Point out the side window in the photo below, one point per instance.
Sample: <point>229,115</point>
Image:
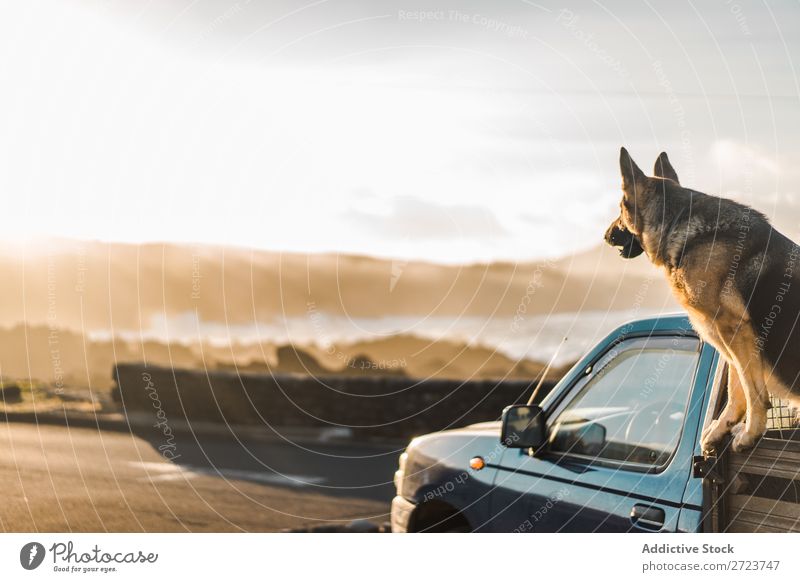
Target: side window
<point>632,407</point>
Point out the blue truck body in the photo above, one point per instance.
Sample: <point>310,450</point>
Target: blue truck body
<point>468,480</point>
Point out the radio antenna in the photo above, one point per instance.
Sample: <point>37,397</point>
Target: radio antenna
<point>545,371</point>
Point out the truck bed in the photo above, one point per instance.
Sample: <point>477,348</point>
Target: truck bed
<point>758,490</point>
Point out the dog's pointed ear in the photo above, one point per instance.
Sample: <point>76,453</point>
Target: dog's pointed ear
<point>664,169</point>
<point>631,174</point>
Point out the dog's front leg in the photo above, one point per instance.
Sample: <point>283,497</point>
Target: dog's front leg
<point>733,412</point>
<point>738,340</point>
<point>746,434</point>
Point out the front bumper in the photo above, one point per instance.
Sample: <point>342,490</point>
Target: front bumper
<point>402,510</point>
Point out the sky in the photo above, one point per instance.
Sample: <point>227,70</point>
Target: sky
<point>443,131</point>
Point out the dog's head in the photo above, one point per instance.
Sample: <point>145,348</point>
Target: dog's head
<point>621,238</point>
<point>639,192</point>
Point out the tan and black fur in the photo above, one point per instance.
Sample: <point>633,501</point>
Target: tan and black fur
<point>737,277</point>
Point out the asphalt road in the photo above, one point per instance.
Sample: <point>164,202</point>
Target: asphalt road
<point>77,479</point>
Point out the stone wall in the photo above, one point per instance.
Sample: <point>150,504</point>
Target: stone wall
<point>371,407</point>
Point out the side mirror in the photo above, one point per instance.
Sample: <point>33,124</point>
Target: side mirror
<point>523,427</point>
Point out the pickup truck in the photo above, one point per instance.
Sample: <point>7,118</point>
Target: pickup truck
<point>614,447</point>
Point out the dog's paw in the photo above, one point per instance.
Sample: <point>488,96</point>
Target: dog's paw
<point>708,447</point>
<point>710,429</point>
<point>711,437</point>
<point>742,439</point>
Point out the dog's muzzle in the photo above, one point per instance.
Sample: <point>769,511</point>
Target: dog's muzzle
<point>621,238</point>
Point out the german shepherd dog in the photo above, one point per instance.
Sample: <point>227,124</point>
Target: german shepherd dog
<point>737,277</point>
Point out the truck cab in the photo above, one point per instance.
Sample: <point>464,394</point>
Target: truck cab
<point>614,447</point>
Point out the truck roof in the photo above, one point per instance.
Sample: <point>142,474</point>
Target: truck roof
<point>663,322</point>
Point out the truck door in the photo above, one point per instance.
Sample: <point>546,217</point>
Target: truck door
<point>620,442</point>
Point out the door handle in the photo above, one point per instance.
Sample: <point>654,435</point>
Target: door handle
<point>648,517</point>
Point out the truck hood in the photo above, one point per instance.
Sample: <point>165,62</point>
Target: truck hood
<point>444,456</point>
<point>492,426</point>
<point>479,439</point>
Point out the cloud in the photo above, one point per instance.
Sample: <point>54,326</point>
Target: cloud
<point>253,124</point>
<point>407,217</point>
<point>738,158</point>
<point>766,180</point>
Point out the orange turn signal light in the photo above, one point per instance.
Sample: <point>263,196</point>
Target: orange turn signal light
<point>477,463</point>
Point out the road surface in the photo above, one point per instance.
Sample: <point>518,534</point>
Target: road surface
<point>64,479</point>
